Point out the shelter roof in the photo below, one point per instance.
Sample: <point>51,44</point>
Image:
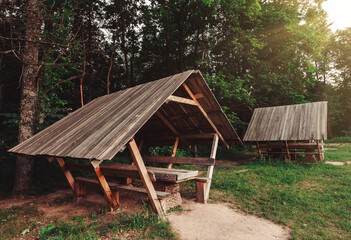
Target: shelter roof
<point>293,122</point>
<point>102,128</point>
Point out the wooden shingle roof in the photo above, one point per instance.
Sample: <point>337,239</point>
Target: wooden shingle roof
<point>293,122</point>
<point>102,128</point>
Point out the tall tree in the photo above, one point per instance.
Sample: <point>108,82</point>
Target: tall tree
<point>29,92</point>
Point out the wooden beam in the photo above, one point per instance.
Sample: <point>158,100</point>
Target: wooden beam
<point>205,114</point>
<point>139,163</point>
<point>140,146</point>
<point>177,99</point>
<point>110,197</point>
<point>67,173</point>
<point>319,152</point>
<point>258,149</point>
<point>110,170</point>
<point>180,160</point>
<point>168,124</point>
<point>210,168</point>
<point>189,115</point>
<point>199,95</point>
<point>174,151</point>
<point>287,149</point>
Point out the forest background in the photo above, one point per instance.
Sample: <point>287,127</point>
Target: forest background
<point>58,55</point>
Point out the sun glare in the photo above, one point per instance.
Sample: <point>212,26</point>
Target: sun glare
<point>339,13</point>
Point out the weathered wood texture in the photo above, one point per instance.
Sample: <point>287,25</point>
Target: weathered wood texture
<point>118,187</point>
<point>284,123</point>
<point>67,172</point>
<point>102,128</point>
<point>139,163</point>
<point>123,170</point>
<point>180,160</point>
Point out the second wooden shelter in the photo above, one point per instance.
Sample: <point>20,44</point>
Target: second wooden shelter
<point>291,130</point>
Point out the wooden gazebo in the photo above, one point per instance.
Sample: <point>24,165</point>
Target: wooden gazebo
<point>176,110</point>
<point>291,130</point>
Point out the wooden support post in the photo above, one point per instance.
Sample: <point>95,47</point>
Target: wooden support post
<point>319,152</point>
<point>139,163</point>
<point>210,168</point>
<point>174,150</point>
<point>79,190</point>
<point>201,188</point>
<point>112,203</point>
<point>67,173</point>
<point>116,196</point>
<point>287,150</point>
<point>205,114</point>
<point>141,143</point>
<point>258,149</point>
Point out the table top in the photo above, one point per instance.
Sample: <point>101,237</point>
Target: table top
<point>172,175</point>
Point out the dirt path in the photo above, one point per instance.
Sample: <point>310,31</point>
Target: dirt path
<point>218,221</point>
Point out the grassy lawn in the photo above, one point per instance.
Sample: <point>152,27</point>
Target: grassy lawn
<point>340,152</point>
<point>26,222</point>
<point>313,200</point>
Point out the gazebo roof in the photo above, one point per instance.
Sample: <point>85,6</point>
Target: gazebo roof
<point>184,107</point>
<point>306,121</point>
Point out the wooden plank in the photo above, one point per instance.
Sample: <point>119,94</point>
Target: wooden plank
<point>205,114</point>
<point>287,149</point>
<point>210,168</point>
<point>112,202</point>
<point>113,170</point>
<point>174,151</point>
<point>116,186</point>
<point>177,99</point>
<point>180,160</point>
<point>139,163</point>
<point>319,152</point>
<point>199,95</point>
<point>258,149</point>
<point>67,173</point>
<point>201,188</point>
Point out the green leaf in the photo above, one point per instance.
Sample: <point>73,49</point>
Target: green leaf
<point>46,230</point>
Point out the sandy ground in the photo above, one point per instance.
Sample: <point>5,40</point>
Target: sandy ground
<point>337,163</point>
<point>218,221</point>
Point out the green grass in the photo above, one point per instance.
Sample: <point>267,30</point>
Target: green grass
<point>345,139</point>
<point>342,152</point>
<point>313,200</point>
<point>17,222</point>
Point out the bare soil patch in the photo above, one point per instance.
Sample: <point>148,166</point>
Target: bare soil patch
<point>218,221</point>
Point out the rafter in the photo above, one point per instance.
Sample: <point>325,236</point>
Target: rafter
<point>205,114</point>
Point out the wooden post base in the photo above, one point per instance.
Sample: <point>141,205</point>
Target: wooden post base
<point>171,201</point>
<point>201,190</point>
<point>79,190</point>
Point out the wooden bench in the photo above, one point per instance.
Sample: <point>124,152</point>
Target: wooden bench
<point>201,183</point>
<point>168,198</point>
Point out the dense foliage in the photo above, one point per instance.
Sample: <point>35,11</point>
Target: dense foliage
<point>253,53</point>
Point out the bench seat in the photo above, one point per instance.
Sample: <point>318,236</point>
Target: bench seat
<point>117,187</point>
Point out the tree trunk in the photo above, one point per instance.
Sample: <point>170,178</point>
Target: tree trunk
<point>29,94</point>
<point>168,62</point>
<point>181,43</point>
<point>125,54</point>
